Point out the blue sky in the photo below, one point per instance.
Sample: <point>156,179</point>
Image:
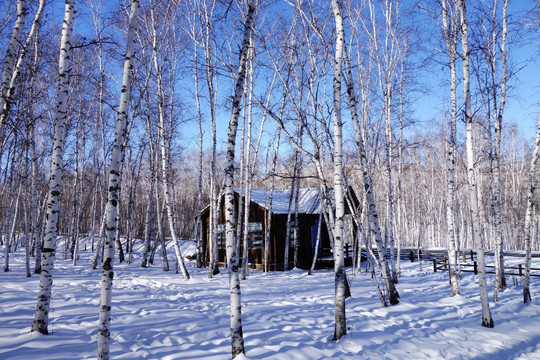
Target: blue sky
<point>522,106</point>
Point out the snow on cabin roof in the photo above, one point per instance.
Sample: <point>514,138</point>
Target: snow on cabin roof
<point>308,200</point>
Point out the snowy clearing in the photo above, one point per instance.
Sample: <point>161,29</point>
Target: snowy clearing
<point>289,316</point>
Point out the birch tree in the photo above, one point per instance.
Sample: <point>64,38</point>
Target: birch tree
<point>206,11</point>
<point>387,56</point>
<point>450,37</point>
<point>41,316</point>
<point>6,99</point>
<point>392,296</point>
<point>487,320</point>
<point>9,63</point>
<point>494,49</point>
<point>104,324</point>
<point>529,215</point>
<point>237,339</point>
<point>165,162</point>
<point>339,268</point>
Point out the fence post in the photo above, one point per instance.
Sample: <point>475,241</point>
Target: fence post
<point>445,263</point>
<point>411,256</point>
<point>464,254</point>
<point>434,265</point>
<point>475,268</point>
<point>520,270</point>
<point>472,255</point>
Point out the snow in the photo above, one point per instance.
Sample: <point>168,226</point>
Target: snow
<point>289,316</point>
<point>308,200</point>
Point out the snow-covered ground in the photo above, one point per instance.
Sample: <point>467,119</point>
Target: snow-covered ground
<point>158,315</point>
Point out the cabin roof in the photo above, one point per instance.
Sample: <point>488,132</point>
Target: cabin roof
<point>308,200</point>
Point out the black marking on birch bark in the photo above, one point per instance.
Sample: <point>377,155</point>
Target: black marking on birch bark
<point>107,265</point>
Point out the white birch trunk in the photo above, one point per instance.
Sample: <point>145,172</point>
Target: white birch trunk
<point>529,215</point>
<point>104,323</point>
<point>339,268</point>
<point>207,16</point>
<point>248,174</point>
<point>9,64</point>
<point>237,338</point>
<point>500,279</point>
<point>41,316</point>
<point>148,219</point>
<point>199,253</point>
<point>288,227</point>
<point>317,244</point>
<point>151,201</point>
<point>11,235</point>
<point>7,98</point>
<point>243,170</point>
<point>296,205</point>
<point>297,166</point>
<point>98,252</point>
<point>268,228</point>
<point>252,169</point>
<point>159,215</point>
<point>487,320</point>
<point>34,229</point>
<point>449,35</point>
<point>165,163</point>
<point>374,226</point>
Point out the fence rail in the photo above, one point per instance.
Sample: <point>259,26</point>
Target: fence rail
<point>467,260</point>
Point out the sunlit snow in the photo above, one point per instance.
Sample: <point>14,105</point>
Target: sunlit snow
<point>158,315</point>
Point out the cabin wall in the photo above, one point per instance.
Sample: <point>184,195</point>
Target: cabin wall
<point>257,223</point>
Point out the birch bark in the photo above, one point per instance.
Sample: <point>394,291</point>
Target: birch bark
<point>500,279</point>
<point>207,14</point>
<point>41,316</point>
<point>450,39</point>
<point>268,229</point>
<point>165,162</point>
<point>7,97</point>
<point>528,216</point>
<point>199,254</point>
<point>339,269</point>
<point>487,320</point>
<point>237,338</point>
<point>148,218</point>
<point>249,181</point>
<point>104,323</point>
<point>9,63</point>
<point>393,295</point>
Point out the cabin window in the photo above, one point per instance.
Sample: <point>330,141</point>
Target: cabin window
<point>255,235</point>
<point>221,238</point>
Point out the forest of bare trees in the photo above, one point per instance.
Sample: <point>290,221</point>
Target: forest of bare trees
<point>121,121</point>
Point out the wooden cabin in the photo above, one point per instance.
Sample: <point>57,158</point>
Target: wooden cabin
<point>309,207</point>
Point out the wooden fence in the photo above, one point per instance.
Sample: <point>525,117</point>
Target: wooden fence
<point>467,260</point>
